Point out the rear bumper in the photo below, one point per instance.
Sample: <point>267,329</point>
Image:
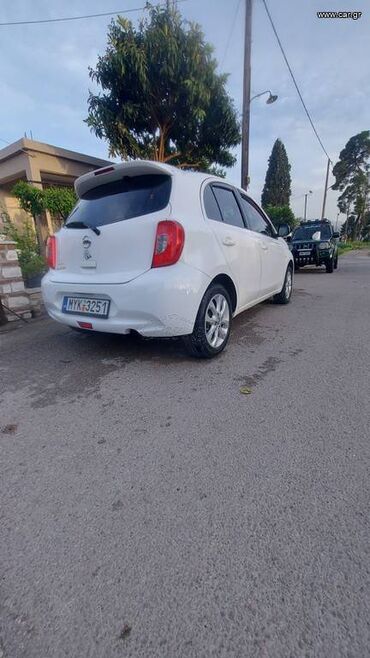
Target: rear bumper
<point>160,302</point>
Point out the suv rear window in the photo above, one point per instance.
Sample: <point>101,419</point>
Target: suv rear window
<point>132,196</point>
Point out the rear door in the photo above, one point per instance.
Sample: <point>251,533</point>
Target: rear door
<point>272,250</point>
<point>238,245</point>
<point>125,214</point>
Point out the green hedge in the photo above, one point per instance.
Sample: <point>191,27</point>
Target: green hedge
<point>347,246</point>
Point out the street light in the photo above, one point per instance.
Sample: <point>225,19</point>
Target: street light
<point>245,133</point>
<point>271,99</point>
<point>305,203</point>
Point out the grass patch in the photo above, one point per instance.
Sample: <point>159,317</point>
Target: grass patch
<point>348,246</point>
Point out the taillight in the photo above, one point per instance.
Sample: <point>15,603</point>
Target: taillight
<point>169,243</point>
<point>51,252</point>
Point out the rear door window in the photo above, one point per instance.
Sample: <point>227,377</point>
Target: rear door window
<point>210,205</point>
<point>229,206</point>
<point>132,196</point>
<point>256,222</point>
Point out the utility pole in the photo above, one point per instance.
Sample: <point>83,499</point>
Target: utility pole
<point>325,190</point>
<point>246,94</point>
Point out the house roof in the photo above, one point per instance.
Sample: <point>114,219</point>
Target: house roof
<point>29,145</point>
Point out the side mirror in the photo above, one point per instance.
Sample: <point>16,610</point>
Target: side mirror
<point>336,235</point>
<point>283,230</point>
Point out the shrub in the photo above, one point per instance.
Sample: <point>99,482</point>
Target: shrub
<point>281,215</point>
<point>30,260</point>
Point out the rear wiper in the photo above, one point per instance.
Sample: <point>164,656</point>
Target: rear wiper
<point>85,225</point>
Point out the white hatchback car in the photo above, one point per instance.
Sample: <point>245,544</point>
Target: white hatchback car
<point>162,252</point>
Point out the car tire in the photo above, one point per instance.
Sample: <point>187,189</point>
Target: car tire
<point>285,295</point>
<point>215,312</point>
<point>336,263</point>
<point>330,265</point>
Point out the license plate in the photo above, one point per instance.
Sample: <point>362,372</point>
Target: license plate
<point>97,308</point>
<point>305,252</point>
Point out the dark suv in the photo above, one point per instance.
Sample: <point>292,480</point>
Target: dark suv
<point>315,243</point>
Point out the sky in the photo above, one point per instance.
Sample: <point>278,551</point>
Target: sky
<point>45,82</point>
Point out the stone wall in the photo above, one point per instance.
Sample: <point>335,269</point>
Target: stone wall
<point>12,290</point>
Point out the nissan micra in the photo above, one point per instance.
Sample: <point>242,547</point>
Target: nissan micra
<point>156,250</point>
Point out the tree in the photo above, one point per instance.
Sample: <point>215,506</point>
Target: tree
<point>59,201</point>
<point>348,226</point>
<point>281,215</point>
<point>31,201</point>
<point>352,180</point>
<point>30,260</point>
<point>162,98</point>
<point>276,191</point>
<point>366,226</point>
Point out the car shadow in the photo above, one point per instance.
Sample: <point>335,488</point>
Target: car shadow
<point>310,270</point>
<point>82,359</point>
<point>131,347</point>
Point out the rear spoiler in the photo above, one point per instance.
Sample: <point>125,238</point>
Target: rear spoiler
<point>116,171</point>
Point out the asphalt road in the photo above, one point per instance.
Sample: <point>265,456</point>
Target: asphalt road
<point>148,508</point>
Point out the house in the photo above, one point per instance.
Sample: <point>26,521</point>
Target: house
<point>43,165</point>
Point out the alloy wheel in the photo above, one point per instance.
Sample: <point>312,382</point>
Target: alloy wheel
<point>288,283</point>
<point>217,320</point>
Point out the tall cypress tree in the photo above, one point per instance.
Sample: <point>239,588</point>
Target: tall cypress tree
<point>276,191</point>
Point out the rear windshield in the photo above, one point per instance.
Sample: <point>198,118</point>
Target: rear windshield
<point>132,196</point>
<point>312,232</point>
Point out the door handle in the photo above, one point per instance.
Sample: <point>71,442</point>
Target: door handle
<point>263,246</point>
<point>229,242</point>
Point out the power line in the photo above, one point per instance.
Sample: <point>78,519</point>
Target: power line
<point>230,35</point>
<point>70,18</point>
<point>77,18</point>
<point>295,82</point>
